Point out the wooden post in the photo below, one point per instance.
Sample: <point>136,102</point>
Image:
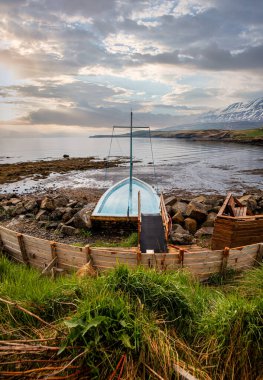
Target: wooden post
<point>23,249</point>
<point>87,253</point>
<point>224,259</point>
<point>181,257</point>
<point>259,256</point>
<point>53,249</point>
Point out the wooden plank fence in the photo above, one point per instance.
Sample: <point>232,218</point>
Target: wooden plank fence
<point>49,255</point>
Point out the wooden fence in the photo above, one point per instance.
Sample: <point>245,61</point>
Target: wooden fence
<point>49,255</point>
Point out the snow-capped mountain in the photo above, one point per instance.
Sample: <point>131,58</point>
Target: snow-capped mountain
<point>252,111</point>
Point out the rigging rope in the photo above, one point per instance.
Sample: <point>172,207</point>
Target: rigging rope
<point>153,160</point>
<point>108,155</point>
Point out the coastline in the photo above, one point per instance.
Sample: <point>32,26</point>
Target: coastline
<point>248,136</point>
<point>42,169</point>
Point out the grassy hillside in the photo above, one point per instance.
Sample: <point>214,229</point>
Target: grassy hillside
<point>141,324</point>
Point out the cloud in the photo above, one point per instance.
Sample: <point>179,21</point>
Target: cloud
<point>85,62</point>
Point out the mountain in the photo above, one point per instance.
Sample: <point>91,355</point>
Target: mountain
<point>237,112</point>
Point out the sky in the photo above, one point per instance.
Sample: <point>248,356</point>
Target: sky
<point>70,67</point>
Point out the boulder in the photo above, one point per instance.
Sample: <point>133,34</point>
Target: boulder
<point>47,204</point>
<point>68,230</point>
<point>249,201</point>
<point>14,201</point>
<point>82,218</point>
<point>178,238</point>
<point>170,200</point>
<point>196,211</point>
<point>210,221</point>
<point>19,209</point>
<point>42,215</point>
<point>68,214</point>
<point>61,201</point>
<point>179,229</point>
<point>204,231</point>
<point>200,199</point>
<point>179,206</point>
<point>31,205</point>
<point>178,217</point>
<point>190,225</point>
<point>169,210</point>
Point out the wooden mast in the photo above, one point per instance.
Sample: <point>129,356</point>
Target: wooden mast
<point>131,170</point>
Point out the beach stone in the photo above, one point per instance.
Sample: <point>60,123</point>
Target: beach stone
<point>170,200</point>
<point>204,231</point>
<point>61,201</point>
<point>47,204</point>
<point>179,206</point>
<point>14,201</point>
<point>68,214</point>
<point>190,225</point>
<point>51,226</point>
<point>31,205</point>
<point>210,221</point>
<point>249,201</point>
<point>178,238</point>
<point>68,230</point>
<point>196,211</point>
<point>200,199</point>
<point>19,209</point>
<point>177,228</point>
<point>42,215</point>
<point>82,219</point>
<point>178,217</point>
<point>169,210</point>
<point>42,224</point>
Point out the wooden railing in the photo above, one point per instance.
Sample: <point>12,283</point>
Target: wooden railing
<point>50,256</point>
<point>165,217</point>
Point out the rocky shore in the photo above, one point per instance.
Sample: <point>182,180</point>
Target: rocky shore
<point>64,215</point>
<point>42,169</point>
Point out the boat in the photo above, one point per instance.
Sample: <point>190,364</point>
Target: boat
<point>133,200</point>
<point>236,226</point>
<point>127,198</point>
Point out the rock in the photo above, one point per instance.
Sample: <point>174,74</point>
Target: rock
<point>200,199</point>
<point>19,209</point>
<point>178,238</point>
<point>179,206</point>
<point>68,214</point>
<point>170,200</point>
<point>42,215</point>
<point>72,203</point>
<point>51,226</point>
<point>249,201</point>
<point>210,221</point>
<point>47,204</point>
<point>196,211</point>
<point>179,229</point>
<point>31,205</point>
<point>61,201</point>
<point>13,224</point>
<point>14,201</point>
<point>190,225</point>
<point>178,217</point>
<point>82,218</point>
<point>169,210</point>
<point>68,230</point>
<point>204,231</point>
<point>42,224</point>
<point>65,155</point>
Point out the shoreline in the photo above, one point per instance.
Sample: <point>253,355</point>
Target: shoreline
<point>10,173</point>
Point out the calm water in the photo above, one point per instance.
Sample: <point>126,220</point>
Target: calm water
<point>179,164</point>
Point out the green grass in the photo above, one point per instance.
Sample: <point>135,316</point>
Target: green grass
<point>249,133</point>
<point>155,319</point>
<point>130,241</point>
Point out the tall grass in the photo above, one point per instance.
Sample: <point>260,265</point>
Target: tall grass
<point>154,320</point>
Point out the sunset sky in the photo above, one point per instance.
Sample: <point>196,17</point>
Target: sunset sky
<point>79,66</point>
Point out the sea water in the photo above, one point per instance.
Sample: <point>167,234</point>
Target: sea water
<point>199,167</point>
